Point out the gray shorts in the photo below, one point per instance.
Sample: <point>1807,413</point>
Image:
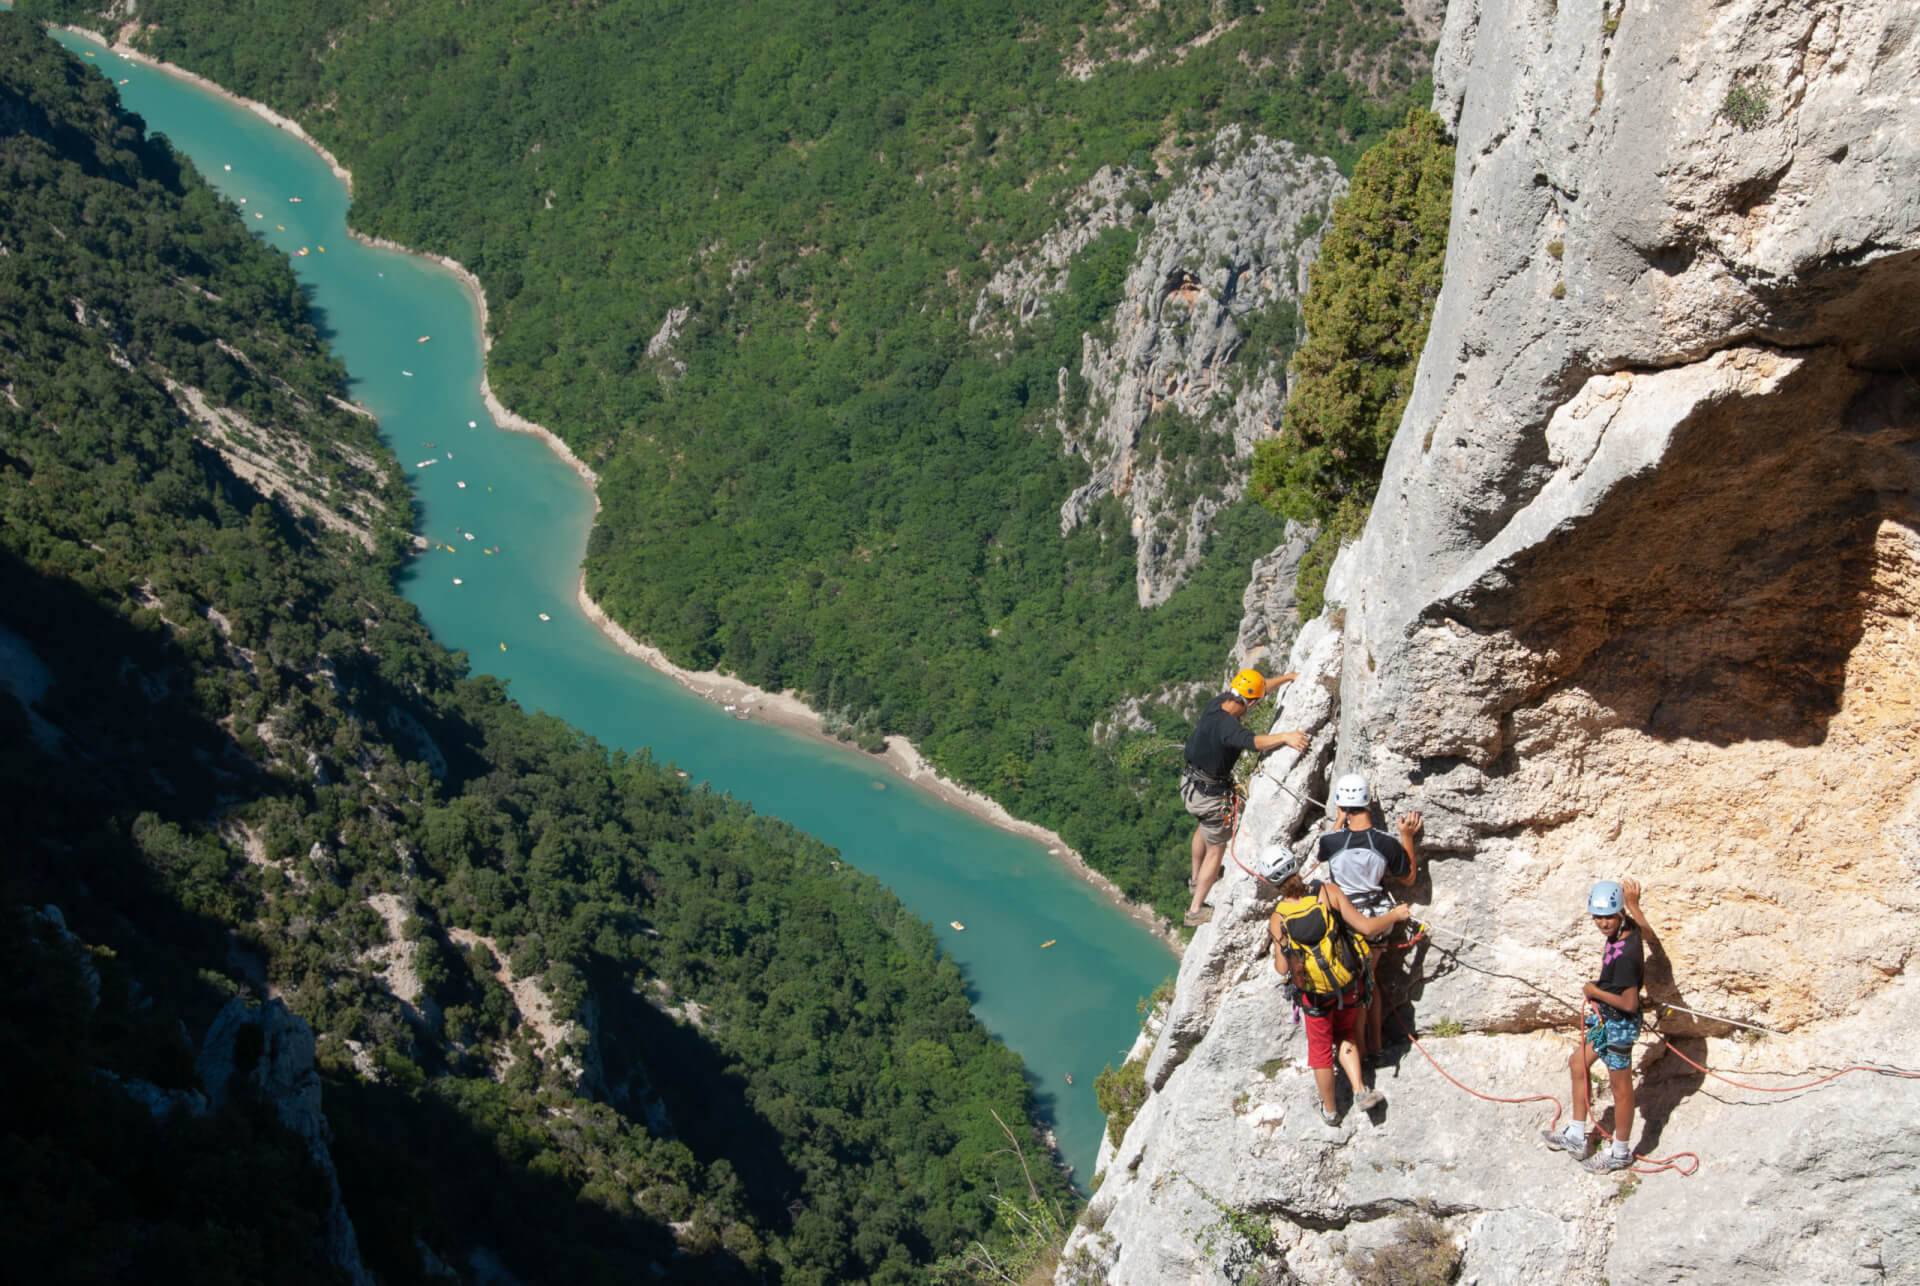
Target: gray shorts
<point>1210,811</point>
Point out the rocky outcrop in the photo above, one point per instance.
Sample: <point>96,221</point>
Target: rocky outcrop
<point>1233,240</point>
<point>270,1050</point>
<point>1638,597</point>
<point>1269,616</point>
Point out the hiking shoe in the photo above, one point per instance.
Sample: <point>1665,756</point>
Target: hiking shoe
<point>1197,918</point>
<point>1327,1118</point>
<point>1561,1139</point>
<point>1367,1100</point>
<point>1606,1159</point>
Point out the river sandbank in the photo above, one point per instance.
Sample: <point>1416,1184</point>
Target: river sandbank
<point>782,709</point>
<point>785,710</point>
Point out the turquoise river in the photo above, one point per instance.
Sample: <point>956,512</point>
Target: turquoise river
<point>1067,1010</point>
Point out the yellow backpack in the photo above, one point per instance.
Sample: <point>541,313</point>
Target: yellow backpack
<point>1314,949</point>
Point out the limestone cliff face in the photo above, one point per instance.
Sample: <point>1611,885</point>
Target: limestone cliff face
<point>1232,241</point>
<point>1638,597</point>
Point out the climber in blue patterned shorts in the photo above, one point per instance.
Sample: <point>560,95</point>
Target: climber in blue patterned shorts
<point>1612,1025</point>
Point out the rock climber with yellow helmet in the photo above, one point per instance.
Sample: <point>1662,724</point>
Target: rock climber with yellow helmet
<point>1207,785</point>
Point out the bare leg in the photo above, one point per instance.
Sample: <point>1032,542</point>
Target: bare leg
<point>1197,850</point>
<point>1209,875</point>
<point>1323,1078</point>
<point>1622,1082</point>
<point>1375,1015</point>
<point>1581,1060</point>
<point>1348,1055</point>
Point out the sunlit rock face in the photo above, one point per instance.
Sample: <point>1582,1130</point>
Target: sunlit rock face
<point>1639,597</point>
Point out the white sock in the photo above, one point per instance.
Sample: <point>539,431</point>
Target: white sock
<point>1576,1129</point>
<point>1620,1148</point>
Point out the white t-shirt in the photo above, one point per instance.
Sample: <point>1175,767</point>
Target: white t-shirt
<point>1360,861</point>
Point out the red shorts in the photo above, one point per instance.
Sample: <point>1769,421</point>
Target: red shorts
<point>1323,1031</point>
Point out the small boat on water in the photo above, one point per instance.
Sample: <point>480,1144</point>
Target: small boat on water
<point>473,424</point>
<point>503,647</point>
<point>467,534</point>
<point>1049,942</point>
<point>408,374</point>
<point>545,617</point>
<point>426,463</point>
<point>1069,1076</point>
<point>958,927</point>
<point>461,485</point>
<point>423,339</point>
<point>294,199</point>
<point>458,581</point>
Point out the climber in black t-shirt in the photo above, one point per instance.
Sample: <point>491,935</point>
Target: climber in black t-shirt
<point>1207,785</point>
<point>1612,1023</point>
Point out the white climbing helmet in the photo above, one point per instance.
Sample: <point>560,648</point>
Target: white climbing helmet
<point>1278,862</point>
<point>1350,791</point>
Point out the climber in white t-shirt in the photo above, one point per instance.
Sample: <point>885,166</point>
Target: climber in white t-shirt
<point>1361,858</point>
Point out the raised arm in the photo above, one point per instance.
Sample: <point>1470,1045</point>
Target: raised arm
<point>1265,741</point>
<point>1410,823</point>
<point>1630,894</point>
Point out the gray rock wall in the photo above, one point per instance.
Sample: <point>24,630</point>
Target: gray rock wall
<point>1639,597</point>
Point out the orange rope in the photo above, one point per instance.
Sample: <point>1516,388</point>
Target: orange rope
<point>1646,1164</point>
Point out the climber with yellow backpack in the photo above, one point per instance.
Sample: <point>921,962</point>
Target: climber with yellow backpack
<point>1320,947</point>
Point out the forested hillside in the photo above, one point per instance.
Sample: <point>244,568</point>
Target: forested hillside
<point>732,251</point>
<point>572,1017</point>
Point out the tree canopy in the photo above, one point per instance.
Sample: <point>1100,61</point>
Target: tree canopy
<point>250,772</point>
<point>845,492</point>
<point>1366,315</point>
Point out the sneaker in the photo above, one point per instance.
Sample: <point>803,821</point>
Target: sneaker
<point>1197,918</point>
<point>1367,1100</point>
<point>1329,1118</point>
<point>1566,1142</point>
<point>1607,1159</point>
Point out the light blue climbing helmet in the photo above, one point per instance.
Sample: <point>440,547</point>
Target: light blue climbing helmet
<point>1607,898</point>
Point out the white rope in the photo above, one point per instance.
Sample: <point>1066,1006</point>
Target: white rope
<point>1734,1022</point>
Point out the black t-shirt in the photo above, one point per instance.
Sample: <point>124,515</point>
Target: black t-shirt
<point>1622,968</point>
<point>1217,741</point>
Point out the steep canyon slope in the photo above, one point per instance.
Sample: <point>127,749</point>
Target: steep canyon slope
<point>1638,597</point>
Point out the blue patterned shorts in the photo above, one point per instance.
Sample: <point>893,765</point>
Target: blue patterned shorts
<point>1613,1039</point>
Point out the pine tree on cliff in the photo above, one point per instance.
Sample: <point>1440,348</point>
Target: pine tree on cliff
<point>1366,315</point>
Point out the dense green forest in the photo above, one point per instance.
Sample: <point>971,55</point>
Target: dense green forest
<point>843,491</point>
<point>228,745</point>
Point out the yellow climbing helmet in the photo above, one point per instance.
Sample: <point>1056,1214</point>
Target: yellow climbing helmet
<point>1249,686</point>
